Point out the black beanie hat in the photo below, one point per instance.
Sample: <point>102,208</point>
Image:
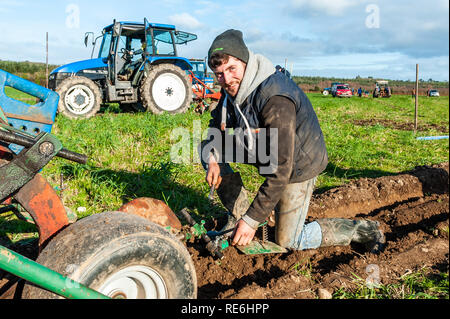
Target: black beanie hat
<point>229,42</point>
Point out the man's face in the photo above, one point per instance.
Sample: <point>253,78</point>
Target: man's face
<point>230,74</point>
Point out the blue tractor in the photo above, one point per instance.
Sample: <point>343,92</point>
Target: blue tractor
<point>137,66</point>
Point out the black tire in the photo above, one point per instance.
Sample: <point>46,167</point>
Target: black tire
<point>97,248</point>
<point>166,88</point>
<point>79,97</point>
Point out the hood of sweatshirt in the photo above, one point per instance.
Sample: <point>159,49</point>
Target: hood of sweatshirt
<point>258,69</point>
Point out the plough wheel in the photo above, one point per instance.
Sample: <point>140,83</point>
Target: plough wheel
<point>122,256</point>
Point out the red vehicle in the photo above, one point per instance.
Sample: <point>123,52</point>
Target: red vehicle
<point>342,90</point>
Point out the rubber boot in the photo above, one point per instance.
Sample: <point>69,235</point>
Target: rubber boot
<point>234,197</point>
<point>340,231</point>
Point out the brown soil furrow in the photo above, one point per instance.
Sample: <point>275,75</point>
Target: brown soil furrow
<point>413,211</point>
<point>368,194</point>
<point>403,126</point>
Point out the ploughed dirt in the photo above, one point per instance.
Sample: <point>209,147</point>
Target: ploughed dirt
<point>412,208</point>
<point>401,126</point>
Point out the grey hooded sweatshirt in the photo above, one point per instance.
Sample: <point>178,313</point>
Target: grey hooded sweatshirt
<point>268,99</point>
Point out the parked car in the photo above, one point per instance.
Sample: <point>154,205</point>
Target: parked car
<point>433,93</point>
<point>334,87</point>
<point>341,90</point>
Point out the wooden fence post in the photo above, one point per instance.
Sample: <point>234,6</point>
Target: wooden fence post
<point>417,99</point>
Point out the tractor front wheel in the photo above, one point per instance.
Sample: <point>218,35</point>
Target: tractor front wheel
<point>166,88</point>
<point>121,256</point>
<point>79,97</point>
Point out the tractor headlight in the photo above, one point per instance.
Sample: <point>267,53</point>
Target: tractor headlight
<point>54,79</point>
<point>62,75</point>
<point>59,76</point>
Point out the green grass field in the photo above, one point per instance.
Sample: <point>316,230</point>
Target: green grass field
<point>129,155</point>
<point>19,95</point>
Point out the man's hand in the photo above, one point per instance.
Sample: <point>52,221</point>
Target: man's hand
<point>213,174</point>
<point>243,234</point>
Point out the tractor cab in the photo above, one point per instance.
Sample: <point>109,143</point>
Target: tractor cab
<point>127,45</point>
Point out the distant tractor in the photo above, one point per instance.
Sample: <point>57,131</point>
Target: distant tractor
<point>382,89</point>
<point>201,72</point>
<point>326,91</point>
<point>137,66</point>
<point>204,95</point>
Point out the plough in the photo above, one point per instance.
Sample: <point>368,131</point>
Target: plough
<point>128,253</point>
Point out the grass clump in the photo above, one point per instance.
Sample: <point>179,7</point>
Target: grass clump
<point>423,284</point>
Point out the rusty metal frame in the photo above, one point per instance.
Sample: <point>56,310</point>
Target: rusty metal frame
<point>45,207</point>
<point>21,181</point>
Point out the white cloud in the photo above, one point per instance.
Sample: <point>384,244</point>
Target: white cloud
<point>186,21</point>
<point>416,31</point>
<point>329,7</point>
<point>444,4</point>
<point>430,26</point>
<point>205,7</point>
<point>9,5</point>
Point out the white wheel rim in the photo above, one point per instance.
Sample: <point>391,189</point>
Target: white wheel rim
<point>135,282</point>
<point>79,99</point>
<point>168,92</point>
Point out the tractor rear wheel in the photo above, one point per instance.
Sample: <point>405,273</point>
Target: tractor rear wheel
<point>79,97</point>
<point>166,88</point>
<point>122,256</point>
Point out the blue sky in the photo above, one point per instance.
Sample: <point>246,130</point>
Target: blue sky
<point>340,38</point>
